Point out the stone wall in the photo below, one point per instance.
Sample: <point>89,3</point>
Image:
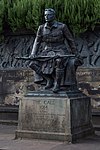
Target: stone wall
<point>15,83</point>
<point>89,82</point>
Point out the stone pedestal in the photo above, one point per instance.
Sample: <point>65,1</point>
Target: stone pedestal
<point>63,116</point>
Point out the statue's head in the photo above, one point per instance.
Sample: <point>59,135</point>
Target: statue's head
<point>49,15</point>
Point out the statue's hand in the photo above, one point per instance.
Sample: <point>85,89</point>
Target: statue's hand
<point>56,56</point>
<point>32,56</point>
<point>76,53</point>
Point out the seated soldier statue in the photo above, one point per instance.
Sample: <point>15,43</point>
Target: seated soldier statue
<point>57,68</point>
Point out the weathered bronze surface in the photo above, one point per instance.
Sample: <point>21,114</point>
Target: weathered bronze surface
<point>59,70</point>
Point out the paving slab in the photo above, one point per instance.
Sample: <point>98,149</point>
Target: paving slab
<point>7,142</point>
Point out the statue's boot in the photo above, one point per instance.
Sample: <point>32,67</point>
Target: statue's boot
<point>59,74</point>
<point>50,82</point>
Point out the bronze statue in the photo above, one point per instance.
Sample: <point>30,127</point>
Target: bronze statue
<point>55,46</point>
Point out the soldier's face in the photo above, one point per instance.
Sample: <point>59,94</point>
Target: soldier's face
<point>49,16</point>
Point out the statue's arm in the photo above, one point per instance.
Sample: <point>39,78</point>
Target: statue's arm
<point>70,39</point>
<point>37,42</point>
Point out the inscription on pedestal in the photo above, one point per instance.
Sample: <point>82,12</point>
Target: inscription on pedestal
<point>65,117</point>
<point>45,114</point>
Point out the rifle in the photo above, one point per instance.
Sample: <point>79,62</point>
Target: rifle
<point>44,58</point>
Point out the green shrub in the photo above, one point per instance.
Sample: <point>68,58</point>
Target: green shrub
<point>1,17</point>
<point>17,14</point>
<point>34,15</point>
<point>28,14</point>
<point>79,14</point>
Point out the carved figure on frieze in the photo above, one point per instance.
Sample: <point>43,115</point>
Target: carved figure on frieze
<point>96,49</point>
<point>6,60</point>
<point>55,65</point>
<point>92,40</point>
<point>12,47</point>
<point>82,47</point>
<point>85,49</point>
